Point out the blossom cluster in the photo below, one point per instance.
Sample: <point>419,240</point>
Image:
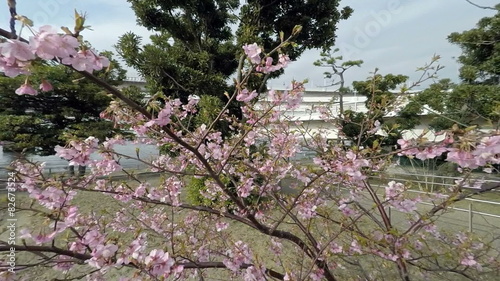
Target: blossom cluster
<point>238,256</point>
<point>253,52</point>
<point>319,214</point>
<point>78,153</point>
<point>394,195</point>
<point>484,152</point>
<point>46,44</point>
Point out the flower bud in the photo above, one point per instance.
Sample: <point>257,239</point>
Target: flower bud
<point>45,86</point>
<point>296,29</point>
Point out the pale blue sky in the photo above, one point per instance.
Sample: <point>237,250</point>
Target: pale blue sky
<point>397,36</point>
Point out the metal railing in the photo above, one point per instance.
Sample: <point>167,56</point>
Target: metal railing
<point>432,180</point>
<point>445,183</point>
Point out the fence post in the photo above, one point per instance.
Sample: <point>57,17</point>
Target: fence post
<point>470,217</point>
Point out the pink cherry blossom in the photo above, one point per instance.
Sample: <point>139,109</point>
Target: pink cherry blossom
<point>105,167</point>
<point>135,251</point>
<point>100,62</point>
<point>221,226</point>
<point>63,263</point>
<point>246,187</point>
<point>78,152</point>
<point>376,127</point>
<point>393,190</point>
<point>268,66</point>
<point>82,61</point>
<point>45,86</point>
<point>93,238</point>
<point>307,209</point>
<point>430,152</point>
<point>405,205</point>
<point>469,260</point>
<point>255,273</point>
<point>101,255</point>
<point>463,158</point>
<point>284,60</point>
<point>276,246</point>
<point>238,256</point>
<point>335,248</point>
<point>163,117</point>
<point>317,274</point>
<point>14,50</point>
<point>246,96</point>
<point>404,143</point>
<point>26,89</point>
<point>159,263</point>
<point>13,68</point>
<point>77,247</point>
<point>86,60</point>
<point>52,197</point>
<point>345,209</point>
<point>355,248</point>
<point>47,44</point>
<point>332,214</point>
<point>253,52</point>
<point>68,46</point>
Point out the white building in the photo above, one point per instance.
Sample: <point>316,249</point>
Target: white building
<point>311,120</point>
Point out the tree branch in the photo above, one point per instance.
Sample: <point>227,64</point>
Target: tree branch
<point>84,257</point>
<point>252,220</point>
<point>98,81</point>
<point>48,249</point>
<point>481,7</point>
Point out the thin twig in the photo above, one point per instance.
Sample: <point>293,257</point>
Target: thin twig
<point>481,7</point>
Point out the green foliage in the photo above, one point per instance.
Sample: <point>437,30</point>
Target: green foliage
<point>476,100</point>
<point>38,123</point>
<point>193,192</point>
<point>261,20</point>
<point>462,104</point>
<point>379,91</point>
<point>134,93</point>
<point>208,110</point>
<point>351,124</point>
<point>197,186</point>
<point>19,130</point>
<point>381,98</point>
<point>330,60</point>
<point>167,149</point>
<point>338,67</point>
<point>195,51</point>
<point>480,57</point>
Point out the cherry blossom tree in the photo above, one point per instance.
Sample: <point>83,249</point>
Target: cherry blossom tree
<point>324,220</point>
